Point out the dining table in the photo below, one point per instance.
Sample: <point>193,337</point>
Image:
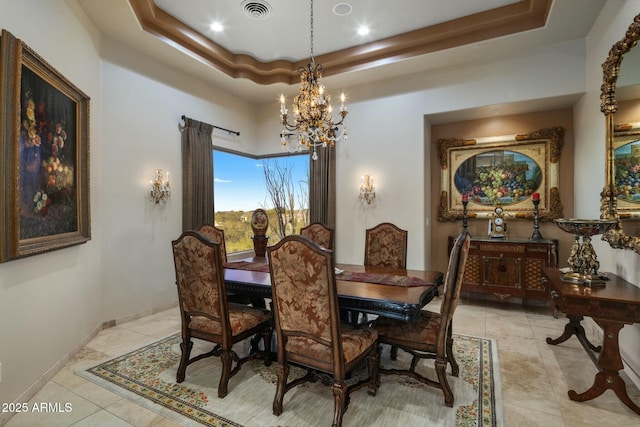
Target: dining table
<point>394,293</point>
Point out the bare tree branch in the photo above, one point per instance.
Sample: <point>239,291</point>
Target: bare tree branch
<point>280,190</point>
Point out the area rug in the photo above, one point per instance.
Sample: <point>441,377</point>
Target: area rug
<point>147,376</point>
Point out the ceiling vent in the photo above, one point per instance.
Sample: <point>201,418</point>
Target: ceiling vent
<point>342,9</point>
<point>256,9</point>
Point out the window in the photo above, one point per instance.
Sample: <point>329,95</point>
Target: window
<point>276,184</point>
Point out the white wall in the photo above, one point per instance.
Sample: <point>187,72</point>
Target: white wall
<point>50,302</point>
<point>141,133</point>
<point>590,157</point>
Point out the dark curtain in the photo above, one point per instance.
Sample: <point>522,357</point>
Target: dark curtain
<point>322,188</point>
<point>197,174</point>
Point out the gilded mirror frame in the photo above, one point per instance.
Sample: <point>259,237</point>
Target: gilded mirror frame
<point>617,238</point>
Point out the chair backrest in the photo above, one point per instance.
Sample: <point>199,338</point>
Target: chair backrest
<point>305,301</point>
<point>200,279</point>
<point>453,282</point>
<point>319,233</point>
<point>385,246</point>
<point>216,235</point>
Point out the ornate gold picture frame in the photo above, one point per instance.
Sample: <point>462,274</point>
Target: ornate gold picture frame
<point>45,155</point>
<point>501,171</point>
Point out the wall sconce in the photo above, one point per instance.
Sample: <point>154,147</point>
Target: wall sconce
<point>160,190</point>
<point>367,189</point>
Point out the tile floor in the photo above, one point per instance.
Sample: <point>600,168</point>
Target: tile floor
<point>535,375</point>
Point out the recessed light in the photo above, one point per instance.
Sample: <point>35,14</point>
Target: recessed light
<point>216,26</point>
<point>363,30</point>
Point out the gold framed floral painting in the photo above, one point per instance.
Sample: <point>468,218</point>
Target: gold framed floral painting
<point>45,155</point>
<point>626,169</point>
<point>506,171</point>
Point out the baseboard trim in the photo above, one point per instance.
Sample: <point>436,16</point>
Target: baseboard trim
<point>37,385</point>
<point>141,314</point>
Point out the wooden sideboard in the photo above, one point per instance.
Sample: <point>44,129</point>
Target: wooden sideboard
<point>507,268</point>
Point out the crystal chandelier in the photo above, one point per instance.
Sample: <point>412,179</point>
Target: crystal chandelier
<point>312,112</point>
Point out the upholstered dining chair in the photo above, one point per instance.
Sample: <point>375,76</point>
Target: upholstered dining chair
<point>430,337</point>
<point>307,324</point>
<point>319,233</point>
<point>385,246</point>
<point>216,235</point>
<point>205,312</point>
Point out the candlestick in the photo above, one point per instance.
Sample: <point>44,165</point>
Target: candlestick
<point>465,201</point>
<point>536,226</point>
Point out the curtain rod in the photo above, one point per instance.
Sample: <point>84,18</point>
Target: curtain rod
<point>218,127</point>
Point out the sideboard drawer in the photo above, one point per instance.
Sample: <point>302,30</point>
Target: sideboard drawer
<point>508,268</point>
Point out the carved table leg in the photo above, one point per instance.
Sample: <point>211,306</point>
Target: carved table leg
<point>609,363</point>
<point>573,327</point>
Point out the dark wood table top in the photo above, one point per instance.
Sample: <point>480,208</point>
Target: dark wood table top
<point>615,289</point>
<point>401,302</point>
<point>618,300</point>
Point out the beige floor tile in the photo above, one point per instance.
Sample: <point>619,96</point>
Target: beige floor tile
<point>96,394</point>
<point>518,344</point>
<point>165,422</point>
<point>102,419</point>
<point>117,341</point>
<point>517,416</point>
<point>134,414</point>
<point>54,406</point>
<point>157,325</point>
<point>68,379</point>
<point>527,382</point>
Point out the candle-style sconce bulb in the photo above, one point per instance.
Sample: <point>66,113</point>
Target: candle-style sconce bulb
<point>367,189</point>
<point>160,189</point>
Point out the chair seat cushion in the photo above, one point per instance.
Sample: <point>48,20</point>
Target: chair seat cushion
<point>354,343</point>
<point>420,334</point>
<point>241,318</point>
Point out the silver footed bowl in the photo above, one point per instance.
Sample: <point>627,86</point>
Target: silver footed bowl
<point>585,227</point>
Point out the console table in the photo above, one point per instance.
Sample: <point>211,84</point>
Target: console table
<point>509,267</point>
<point>612,306</point>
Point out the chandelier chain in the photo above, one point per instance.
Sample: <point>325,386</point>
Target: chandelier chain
<point>312,56</point>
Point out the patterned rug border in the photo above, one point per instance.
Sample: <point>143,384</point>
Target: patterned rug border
<point>191,415</point>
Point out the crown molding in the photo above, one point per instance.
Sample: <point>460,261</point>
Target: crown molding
<point>517,17</point>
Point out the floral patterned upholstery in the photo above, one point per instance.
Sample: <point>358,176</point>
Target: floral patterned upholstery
<point>241,318</point>
<point>386,246</point>
<point>307,322</point>
<point>205,311</point>
<point>431,335</point>
<point>318,233</point>
<point>216,235</point>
